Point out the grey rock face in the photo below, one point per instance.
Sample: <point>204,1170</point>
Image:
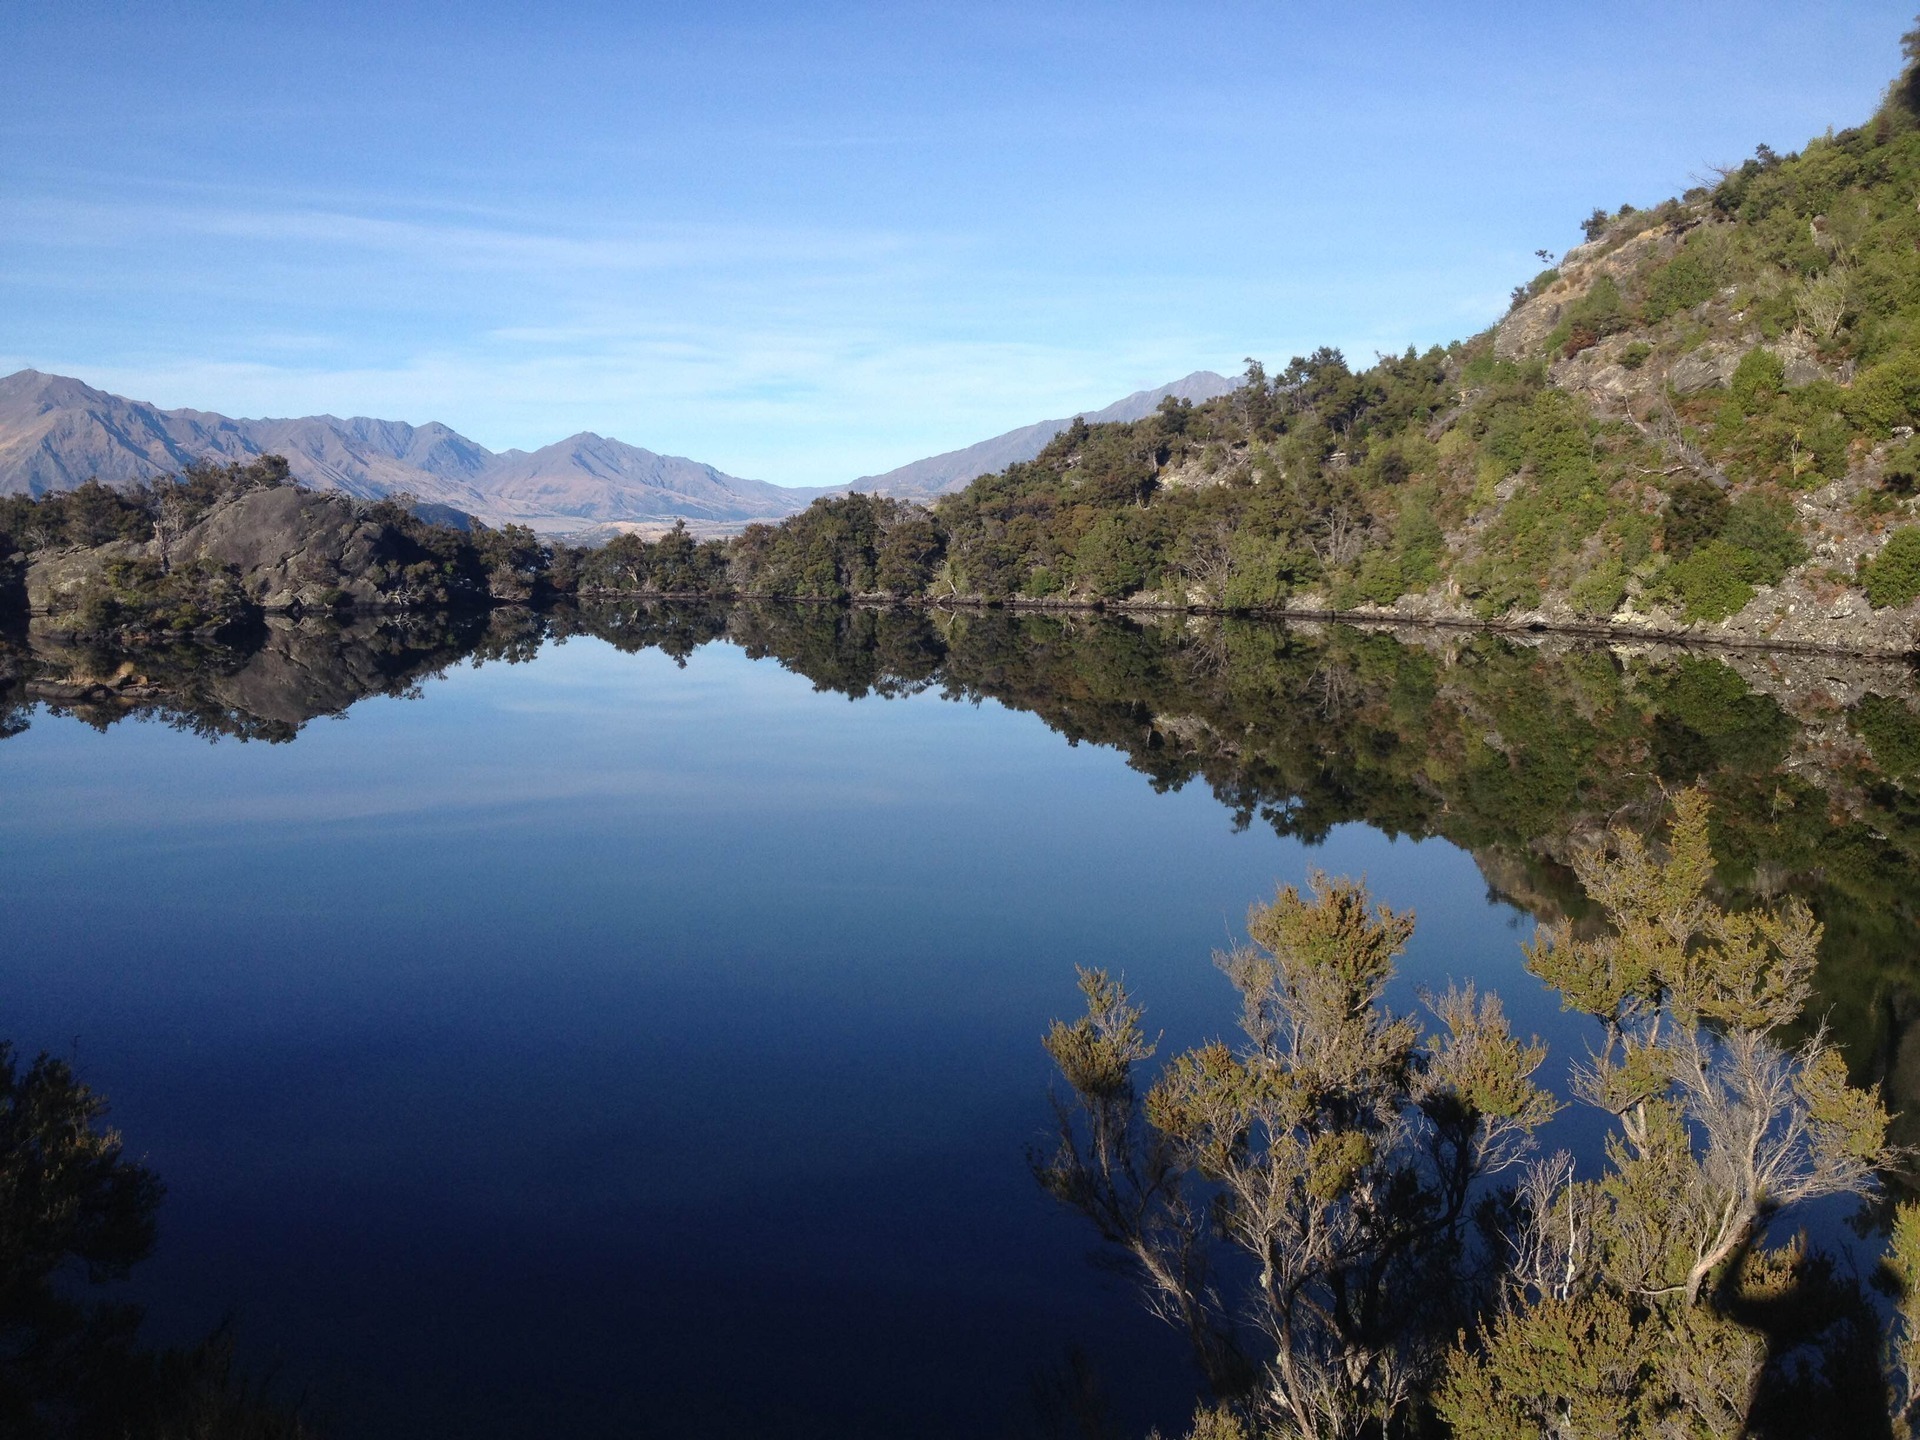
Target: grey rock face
<point>55,578</point>
<point>292,550</point>
<point>1704,368</point>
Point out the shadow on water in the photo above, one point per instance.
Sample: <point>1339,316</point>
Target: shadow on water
<point>1520,752</point>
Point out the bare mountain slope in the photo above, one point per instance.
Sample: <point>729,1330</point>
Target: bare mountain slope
<point>590,478</point>
<point>56,432</point>
<point>940,474</point>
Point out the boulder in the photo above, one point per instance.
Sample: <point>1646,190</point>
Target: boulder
<point>1704,368</point>
<point>293,549</point>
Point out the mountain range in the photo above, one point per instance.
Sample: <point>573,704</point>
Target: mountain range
<point>56,432</point>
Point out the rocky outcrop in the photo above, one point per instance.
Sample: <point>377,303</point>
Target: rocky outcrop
<point>56,579</point>
<point>295,550</point>
<point>1528,324</point>
<point>288,550</point>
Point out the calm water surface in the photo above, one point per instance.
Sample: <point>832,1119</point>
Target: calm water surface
<point>597,1046</point>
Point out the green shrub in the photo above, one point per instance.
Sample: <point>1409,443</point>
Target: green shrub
<point>1598,593</point>
<point>1829,438</point>
<point>1635,355</point>
<point>1420,540</point>
<point>1042,583</point>
<point>1902,474</point>
<point>1887,395</point>
<point>1695,513</point>
<point>1682,283</point>
<point>1262,573</point>
<point>1711,583</point>
<point>137,594</point>
<point>1757,379</point>
<point>1563,502</point>
<point>1594,316</point>
<point>1381,579</point>
<point>1893,577</point>
<point>1765,528</point>
<point>1892,733</point>
<point>1110,560</point>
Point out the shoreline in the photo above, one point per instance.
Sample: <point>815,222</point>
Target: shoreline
<point>1378,619</point>
<point>1611,634</point>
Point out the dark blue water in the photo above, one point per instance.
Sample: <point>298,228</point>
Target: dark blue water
<point>601,1047</point>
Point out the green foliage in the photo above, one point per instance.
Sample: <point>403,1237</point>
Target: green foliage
<point>1892,732</point>
<point>1549,443</point>
<point>1638,1301</point>
<point>1696,513</point>
<point>1901,476</point>
<point>1264,573</point>
<point>1641,1303</point>
<point>1598,593</point>
<point>1757,379</point>
<point>1765,528</point>
<point>1335,1147</point>
<point>1893,576</point>
<point>1887,395</point>
<point>139,595</point>
<point>1594,316</point>
<point>1724,549</point>
<point>1711,583</point>
<point>1694,275</point>
<point>1112,560</point>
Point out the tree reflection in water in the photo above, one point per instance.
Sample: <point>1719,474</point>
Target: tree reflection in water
<point>1520,751</point>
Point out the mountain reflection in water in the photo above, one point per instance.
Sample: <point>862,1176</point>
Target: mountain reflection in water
<point>1517,751</point>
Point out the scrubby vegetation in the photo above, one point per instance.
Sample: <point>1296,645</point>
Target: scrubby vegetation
<point>1407,1262</point>
<point>1894,577</point>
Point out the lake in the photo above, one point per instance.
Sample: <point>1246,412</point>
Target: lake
<point>629,1022</point>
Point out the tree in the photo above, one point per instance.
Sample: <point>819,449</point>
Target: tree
<point>1646,1302</point>
<point>1335,1148</point>
<point>73,1207</point>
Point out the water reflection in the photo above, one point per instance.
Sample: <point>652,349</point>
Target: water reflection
<point>1519,751</point>
<point>1515,751</point>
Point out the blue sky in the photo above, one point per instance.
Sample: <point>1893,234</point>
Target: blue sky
<point>808,242</point>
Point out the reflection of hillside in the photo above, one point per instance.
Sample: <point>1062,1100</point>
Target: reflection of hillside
<point>1517,750</point>
<point>289,673</point>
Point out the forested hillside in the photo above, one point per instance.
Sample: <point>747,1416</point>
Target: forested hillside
<point>1704,416</point>
<point>1701,421</point>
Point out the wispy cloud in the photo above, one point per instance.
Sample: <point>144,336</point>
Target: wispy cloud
<point>666,246</point>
